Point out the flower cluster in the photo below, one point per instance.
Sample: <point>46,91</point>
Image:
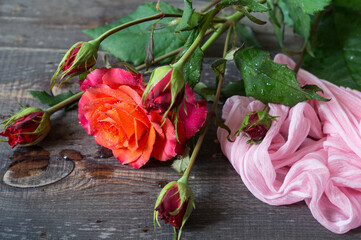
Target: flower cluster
<point>111,110</point>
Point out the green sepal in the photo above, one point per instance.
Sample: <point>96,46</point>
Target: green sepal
<point>225,127</point>
<point>86,56</point>
<point>188,212</point>
<point>250,16</point>
<point>159,199</point>
<point>22,113</point>
<point>263,119</point>
<point>185,194</point>
<point>61,64</point>
<point>157,75</point>
<point>177,85</point>
<point>42,130</point>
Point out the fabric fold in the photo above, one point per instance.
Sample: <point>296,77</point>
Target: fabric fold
<point>311,153</point>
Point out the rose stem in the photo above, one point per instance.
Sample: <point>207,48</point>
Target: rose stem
<point>205,9</point>
<point>197,41</point>
<point>210,115</point>
<point>174,52</point>
<point>229,21</point>
<point>312,33</point>
<point>64,103</point>
<point>129,24</point>
<point>161,58</point>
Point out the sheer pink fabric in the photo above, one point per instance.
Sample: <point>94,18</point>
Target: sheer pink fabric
<point>312,152</point>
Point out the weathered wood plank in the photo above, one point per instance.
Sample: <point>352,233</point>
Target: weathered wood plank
<point>101,198</point>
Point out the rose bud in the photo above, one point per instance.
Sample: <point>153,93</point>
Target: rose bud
<point>81,57</point>
<point>174,204</point>
<point>27,127</point>
<point>255,125</point>
<point>165,90</point>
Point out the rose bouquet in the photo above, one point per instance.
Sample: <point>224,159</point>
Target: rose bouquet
<point>287,133</point>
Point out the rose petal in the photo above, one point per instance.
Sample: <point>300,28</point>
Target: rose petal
<point>94,78</point>
<point>164,149</point>
<point>196,113</point>
<point>140,156</point>
<point>116,77</point>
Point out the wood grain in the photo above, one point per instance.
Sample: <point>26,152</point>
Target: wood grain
<point>101,198</point>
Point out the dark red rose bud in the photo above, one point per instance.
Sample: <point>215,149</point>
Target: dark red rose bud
<point>28,127</point>
<point>174,204</point>
<point>70,61</point>
<point>255,125</point>
<point>256,132</point>
<point>170,203</point>
<point>165,90</point>
<point>81,57</point>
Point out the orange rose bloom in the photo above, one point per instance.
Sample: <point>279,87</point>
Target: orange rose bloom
<point>111,110</point>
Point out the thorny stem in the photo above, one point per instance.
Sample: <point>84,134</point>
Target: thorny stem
<point>197,41</point>
<point>210,115</point>
<point>129,24</point>
<point>213,3</point>
<point>158,59</point>
<point>175,52</point>
<point>230,20</point>
<point>226,44</point>
<point>64,103</point>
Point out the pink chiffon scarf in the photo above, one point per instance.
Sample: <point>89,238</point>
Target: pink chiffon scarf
<point>311,153</point>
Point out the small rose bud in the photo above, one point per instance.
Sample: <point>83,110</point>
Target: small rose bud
<point>81,57</point>
<point>174,204</point>
<point>255,125</point>
<point>165,90</point>
<point>27,127</point>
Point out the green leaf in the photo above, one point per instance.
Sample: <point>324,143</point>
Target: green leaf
<point>255,6</point>
<point>245,34</point>
<point>204,91</point>
<point>234,88</point>
<point>286,13</point>
<point>193,67</point>
<point>190,19</point>
<point>350,4</point>
<point>301,20</point>
<point>129,44</point>
<point>50,100</point>
<point>250,16</point>
<point>149,57</point>
<point>181,163</point>
<point>338,48</point>
<point>312,6</point>
<point>271,82</point>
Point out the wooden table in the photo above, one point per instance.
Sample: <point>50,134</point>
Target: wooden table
<point>97,197</point>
